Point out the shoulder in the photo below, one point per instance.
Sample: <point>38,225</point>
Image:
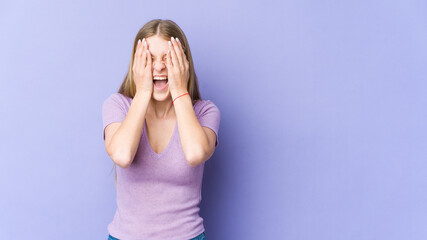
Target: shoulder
<point>118,99</point>
<point>203,106</point>
<point>202,103</point>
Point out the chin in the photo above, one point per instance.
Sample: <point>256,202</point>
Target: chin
<point>162,96</point>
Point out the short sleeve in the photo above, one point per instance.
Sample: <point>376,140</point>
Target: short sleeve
<point>113,110</point>
<point>209,116</point>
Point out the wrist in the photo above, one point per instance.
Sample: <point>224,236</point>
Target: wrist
<point>143,94</point>
<point>177,92</point>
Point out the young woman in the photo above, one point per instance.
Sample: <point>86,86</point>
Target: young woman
<point>159,132</point>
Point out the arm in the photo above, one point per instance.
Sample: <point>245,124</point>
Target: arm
<point>124,137</point>
<point>122,141</point>
<point>194,140</point>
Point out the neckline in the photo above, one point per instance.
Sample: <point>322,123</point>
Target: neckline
<point>153,153</point>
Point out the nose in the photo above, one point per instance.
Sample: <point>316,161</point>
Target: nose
<point>158,65</point>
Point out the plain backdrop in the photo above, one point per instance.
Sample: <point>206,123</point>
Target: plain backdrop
<point>323,115</point>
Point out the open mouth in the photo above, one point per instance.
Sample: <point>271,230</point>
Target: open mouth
<point>160,84</point>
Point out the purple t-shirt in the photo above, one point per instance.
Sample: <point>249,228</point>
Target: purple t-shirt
<point>158,195</point>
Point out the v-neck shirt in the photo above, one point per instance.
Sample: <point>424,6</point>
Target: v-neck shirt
<point>153,153</point>
<point>158,195</point>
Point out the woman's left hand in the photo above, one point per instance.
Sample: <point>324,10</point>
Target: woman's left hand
<point>178,67</point>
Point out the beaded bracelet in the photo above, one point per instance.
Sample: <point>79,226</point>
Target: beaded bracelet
<point>179,96</point>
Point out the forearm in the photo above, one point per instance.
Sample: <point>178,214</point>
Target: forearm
<point>126,139</point>
<point>194,140</point>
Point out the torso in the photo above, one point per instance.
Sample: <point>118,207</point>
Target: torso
<point>159,132</point>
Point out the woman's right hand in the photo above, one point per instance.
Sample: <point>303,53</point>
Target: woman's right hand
<point>142,74</point>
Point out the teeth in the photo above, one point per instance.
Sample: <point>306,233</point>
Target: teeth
<point>160,78</point>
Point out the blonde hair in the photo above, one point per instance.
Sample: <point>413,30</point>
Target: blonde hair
<point>165,29</point>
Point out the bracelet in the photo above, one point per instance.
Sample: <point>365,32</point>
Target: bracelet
<point>179,96</point>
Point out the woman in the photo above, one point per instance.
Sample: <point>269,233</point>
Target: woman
<point>159,132</point>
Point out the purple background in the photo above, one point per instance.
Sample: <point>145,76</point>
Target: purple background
<point>323,115</point>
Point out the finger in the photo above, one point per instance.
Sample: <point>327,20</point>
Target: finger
<point>139,51</point>
<point>144,54</point>
<point>148,59</point>
<point>184,57</point>
<point>168,59</point>
<point>136,55</point>
<point>173,55</point>
<point>178,52</point>
<point>141,45</point>
<point>180,47</point>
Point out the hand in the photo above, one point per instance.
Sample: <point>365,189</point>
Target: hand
<point>142,74</point>
<point>178,67</point>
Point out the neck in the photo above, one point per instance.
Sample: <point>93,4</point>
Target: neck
<point>160,109</point>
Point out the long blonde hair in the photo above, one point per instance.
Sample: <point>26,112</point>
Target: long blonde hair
<point>165,29</point>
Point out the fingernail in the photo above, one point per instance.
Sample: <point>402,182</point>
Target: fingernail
<point>145,43</point>
<point>170,44</point>
<point>172,39</point>
<point>139,40</point>
<point>177,39</point>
